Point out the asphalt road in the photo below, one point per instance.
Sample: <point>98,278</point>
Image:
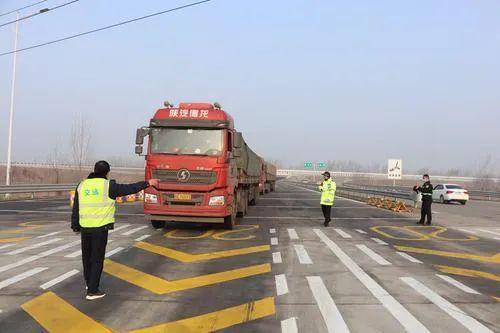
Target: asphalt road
<point>372,270</point>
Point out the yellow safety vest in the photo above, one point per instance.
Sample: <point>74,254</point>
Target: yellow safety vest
<point>95,207</point>
<point>328,192</point>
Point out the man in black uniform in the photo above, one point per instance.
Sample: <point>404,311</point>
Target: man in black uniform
<point>93,215</point>
<point>426,191</point>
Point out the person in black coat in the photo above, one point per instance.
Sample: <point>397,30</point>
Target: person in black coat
<point>426,191</point>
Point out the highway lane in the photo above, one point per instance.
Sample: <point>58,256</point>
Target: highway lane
<point>280,270</point>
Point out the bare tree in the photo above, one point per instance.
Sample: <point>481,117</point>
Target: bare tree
<point>484,175</point>
<point>80,141</point>
<point>55,159</point>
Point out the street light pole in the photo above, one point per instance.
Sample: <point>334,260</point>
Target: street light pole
<point>11,113</point>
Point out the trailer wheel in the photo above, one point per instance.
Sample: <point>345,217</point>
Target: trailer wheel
<point>158,224</point>
<point>272,187</point>
<point>256,193</point>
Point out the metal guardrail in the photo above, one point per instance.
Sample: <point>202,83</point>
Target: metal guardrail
<point>35,188</point>
<point>401,190</point>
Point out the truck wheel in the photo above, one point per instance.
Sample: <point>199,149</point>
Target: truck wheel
<point>230,221</point>
<point>158,224</point>
<point>272,187</point>
<point>256,194</point>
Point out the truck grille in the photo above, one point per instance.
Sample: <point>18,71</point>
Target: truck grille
<point>196,177</point>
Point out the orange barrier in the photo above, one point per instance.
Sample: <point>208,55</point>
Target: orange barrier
<point>394,205</point>
<point>130,198</point>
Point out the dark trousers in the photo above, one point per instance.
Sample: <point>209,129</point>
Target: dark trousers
<point>93,251</point>
<point>327,212</point>
<point>426,210</point>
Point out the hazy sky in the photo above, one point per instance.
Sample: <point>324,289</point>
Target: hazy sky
<point>304,80</point>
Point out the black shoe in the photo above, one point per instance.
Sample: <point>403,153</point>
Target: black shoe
<point>428,223</point>
<point>94,296</point>
<point>326,223</point>
<point>420,222</point>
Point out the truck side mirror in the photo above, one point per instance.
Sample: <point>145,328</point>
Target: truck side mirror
<point>140,134</point>
<point>238,140</point>
<point>138,150</point>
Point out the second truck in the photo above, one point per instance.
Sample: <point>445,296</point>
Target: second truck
<point>207,171</point>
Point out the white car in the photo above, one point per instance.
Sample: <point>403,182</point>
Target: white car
<point>446,193</point>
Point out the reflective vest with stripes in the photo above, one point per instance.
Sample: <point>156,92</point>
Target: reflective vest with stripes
<point>327,190</point>
<point>96,209</point>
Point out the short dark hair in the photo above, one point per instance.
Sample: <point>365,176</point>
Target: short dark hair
<point>426,175</point>
<point>102,168</point>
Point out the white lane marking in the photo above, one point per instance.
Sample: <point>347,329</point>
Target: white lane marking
<point>38,256</point>
<point>463,318</point>
<point>333,218</point>
<point>457,284</point>
<point>34,246</point>
<point>342,233</point>
<point>289,199</point>
<point>281,284</point>
<point>331,314</point>
<point>272,231</point>
<point>302,254</point>
<point>110,253</point>
<point>130,232</point>
<point>58,279</point>
<point>468,231</point>
<point>379,241</point>
<point>277,258</point>
<point>373,255</point>
<point>398,311</point>
<point>6,246</point>
<point>274,241</point>
<point>360,231</point>
<point>497,238</point>
<point>289,325</point>
<point>143,237</point>
<point>293,234</point>
<point>119,228</point>
<point>409,257</point>
<point>48,235</point>
<point>22,276</point>
<point>490,232</point>
<point>74,254</point>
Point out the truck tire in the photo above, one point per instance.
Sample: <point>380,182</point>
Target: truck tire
<point>273,187</point>
<point>242,203</point>
<point>230,221</point>
<point>255,198</point>
<point>158,224</point>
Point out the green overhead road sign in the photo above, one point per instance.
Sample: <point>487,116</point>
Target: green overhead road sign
<point>321,165</point>
<point>308,165</point>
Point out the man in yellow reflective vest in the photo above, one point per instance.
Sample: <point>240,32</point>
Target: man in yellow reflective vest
<point>327,189</point>
<point>93,215</point>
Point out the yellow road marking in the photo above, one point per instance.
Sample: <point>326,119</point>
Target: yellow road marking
<point>496,298</point>
<point>27,226</point>
<point>218,320</point>
<point>223,235</point>
<point>57,316</point>
<point>468,272</point>
<point>188,257</point>
<point>13,239</point>
<point>172,234</point>
<point>495,258</point>
<point>419,235</point>
<point>161,286</point>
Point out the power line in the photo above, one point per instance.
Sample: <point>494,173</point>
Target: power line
<point>28,6</point>
<point>105,28</point>
<point>41,11</point>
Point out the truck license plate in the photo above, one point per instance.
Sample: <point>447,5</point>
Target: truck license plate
<point>182,196</point>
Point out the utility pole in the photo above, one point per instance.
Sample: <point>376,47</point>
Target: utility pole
<point>11,113</point>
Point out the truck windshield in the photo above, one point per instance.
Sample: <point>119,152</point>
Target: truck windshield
<point>180,141</point>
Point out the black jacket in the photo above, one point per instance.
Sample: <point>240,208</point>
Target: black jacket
<point>115,190</point>
<point>426,190</point>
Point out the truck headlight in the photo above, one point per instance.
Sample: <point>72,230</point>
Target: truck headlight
<point>217,201</point>
<point>151,198</point>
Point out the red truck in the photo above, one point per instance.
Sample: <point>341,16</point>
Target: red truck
<point>206,170</point>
